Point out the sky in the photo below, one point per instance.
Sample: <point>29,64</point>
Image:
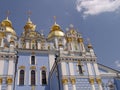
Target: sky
<point>98,20</point>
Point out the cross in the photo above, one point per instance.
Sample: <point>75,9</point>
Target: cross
<point>7,13</point>
<point>55,19</point>
<point>29,13</point>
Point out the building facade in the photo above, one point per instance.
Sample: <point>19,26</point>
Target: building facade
<point>60,61</point>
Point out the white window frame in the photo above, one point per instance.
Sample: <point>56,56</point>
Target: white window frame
<point>30,60</point>
<point>19,76</point>
<point>41,77</point>
<point>30,76</point>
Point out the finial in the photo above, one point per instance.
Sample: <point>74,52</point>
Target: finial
<point>29,14</point>
<point>55,19</point>
<point>7,14</point>
<point>89,43</point>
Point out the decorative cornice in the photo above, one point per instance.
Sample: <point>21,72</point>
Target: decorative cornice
<point>22,67</point>
<point>33,67</point>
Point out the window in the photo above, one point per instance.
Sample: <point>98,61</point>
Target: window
<point>43,75</point>
<point>21,78</point>
<point>33,60</point>
<point>80,69</point>
<point>44,82</point>
<point>33,77</point>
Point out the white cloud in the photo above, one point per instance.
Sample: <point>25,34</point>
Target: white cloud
<point>94,7</point>
<point>117,63</point>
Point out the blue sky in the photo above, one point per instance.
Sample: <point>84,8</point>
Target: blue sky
<point>98,20</point>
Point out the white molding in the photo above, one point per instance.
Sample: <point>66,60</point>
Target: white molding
<point>2,67</point>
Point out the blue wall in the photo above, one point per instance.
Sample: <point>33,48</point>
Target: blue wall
<point>24,60</point>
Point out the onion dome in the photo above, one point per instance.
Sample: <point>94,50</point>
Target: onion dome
<point>29,25</point>
<point>8,25</point>
<point>55,31</point>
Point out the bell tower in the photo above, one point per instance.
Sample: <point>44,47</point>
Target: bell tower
<point>8,54</point>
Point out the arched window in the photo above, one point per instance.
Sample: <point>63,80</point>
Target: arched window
<point>21,78</point>
<point>33,77</point>
<point>44,81</point>
<point>33,60</point>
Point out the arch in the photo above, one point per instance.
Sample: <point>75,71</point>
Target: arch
<point>21,77</point>
<point>33,79</point>
<point>43,75</point>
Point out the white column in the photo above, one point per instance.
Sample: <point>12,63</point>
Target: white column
<point>82,47</point>
<point>65,87</point>
<point>64,78</point>
<point>2,42</point>
<point>74,87</point>
<point>10,72</point>
<point>0,87</point>
<point>39,45</point>
<point>96,69</point>
<point>100,87</point>
<point>97,74</point>
<point>10,67</point>
<point>51,60</point>
<point>56,43</point>
<point>63,68</point>
<point>71,67</point>
<point>89,69</point>
<point>1,72</point>
<point>93,87</point>
<point>27,44</point>
<point>73,81</point>
<point>90,74</point>
<point>9,87</point>
<point>1,67</point>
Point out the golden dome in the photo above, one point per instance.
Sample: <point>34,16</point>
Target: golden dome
<point>6,23</point>
<point>8,26</point>
<point>55,31</point>
<point>11,30</point>
<point>29,25</point>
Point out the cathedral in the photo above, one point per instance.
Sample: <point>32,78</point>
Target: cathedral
<point>60,61</point>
